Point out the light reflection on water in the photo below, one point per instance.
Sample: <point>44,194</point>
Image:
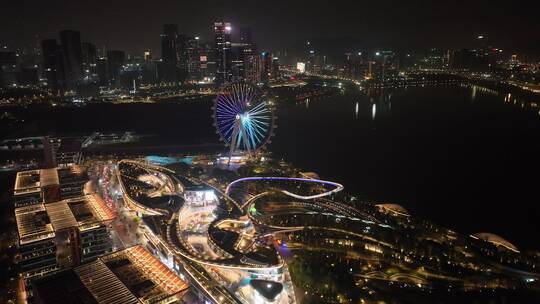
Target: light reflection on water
<point>384,144</point>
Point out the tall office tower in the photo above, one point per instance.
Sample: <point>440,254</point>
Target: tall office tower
<point>311,62</point>
<point>192,56</point>
<point>222,31</point>
<point>253,70</point>
<point>266,66</point>
<point>353,65</point>
<point>274,69</point>
<point>207,64</point>
<point>169,52</point>
<point>147,55</point>
<point>53,65</point>
<point>248,49</point>
<point>237,62</point>
<point>36,47</point>
<point>182,54</point>
<point>246,36</point>
<point>102,71</point>
<point>348,65</point>
<point>89,55</point>
<point>8,68</point>
<point>115,60</point>
<point>71,46</point>
<point>385,65</point>
<point>102,52</point>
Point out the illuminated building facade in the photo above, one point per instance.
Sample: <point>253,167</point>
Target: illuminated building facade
<point>53,64</point>
<point>253,68</point>
<point>71,47</point>
<point>169,52</point>
<point>132,275</point>
<point>62,234</point>
<point>115,60</point>
<point>8,68</point>
<point>223,52</point>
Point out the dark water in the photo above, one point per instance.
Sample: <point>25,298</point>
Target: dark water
<point>459,156</point>
<point>464,158</point>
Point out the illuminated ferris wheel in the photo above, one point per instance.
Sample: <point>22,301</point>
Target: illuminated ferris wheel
<point>243,118</point>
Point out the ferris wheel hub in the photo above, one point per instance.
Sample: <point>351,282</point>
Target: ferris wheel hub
<point>243,118</point>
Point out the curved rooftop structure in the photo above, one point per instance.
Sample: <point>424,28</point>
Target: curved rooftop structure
<point>495,240</point>
<point>146,187</point>
<point>200,229</point>
<point>394,209</point>
<point>302,196</point>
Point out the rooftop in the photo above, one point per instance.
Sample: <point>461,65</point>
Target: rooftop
<point>33,224</point>
<point>64,287</point>
<point>34,180</point>
<point>80,212</point>
<point>103,284</point>
<point>129,276</point>
<point>48,177</point>
<point>27,181</point>
<point>132,275</point>
<point>38,222</point>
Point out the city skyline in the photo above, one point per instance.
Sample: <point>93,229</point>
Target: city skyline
<point>301,152</point>
<point>350,25</point>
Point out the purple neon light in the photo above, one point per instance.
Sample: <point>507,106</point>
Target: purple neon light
<point>338,186</point>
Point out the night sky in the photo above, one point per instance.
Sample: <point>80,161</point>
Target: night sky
<point>134,25</point>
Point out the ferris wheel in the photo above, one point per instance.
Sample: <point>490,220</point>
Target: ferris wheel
<point>243,118</point>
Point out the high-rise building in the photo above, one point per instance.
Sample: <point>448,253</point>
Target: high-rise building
<point>169,52</point>
<point>62,234</point>
<point>102,71</point>
<point>479,60</point>
<point>147,55</point>
<point>207,64</point>
<point>58,226</point>
<point>237,62</point>
<point>192,57</point>
<point>89,55</point>
<point>72,50</point>
<point>8,68</point>
<point>246,36</point>
<point>385,65</point>
<point>253,68</point>
<point>28,76</point>
<point>354,65</point>
<point>266,66</point>
<point>53,64</point>
<point>115,60</point>
<point>223,53</point>
<point>274,72</point>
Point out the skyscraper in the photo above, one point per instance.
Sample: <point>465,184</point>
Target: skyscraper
<point>147,55</point>
<point>252,64</point>
<point>237,62</point>
<point>72,51</point>
<point>53,64</point>
<point>207,64</point>
<point>193,57</point>
<point>115,61</point>
<point>8,68</point>
<point>266,60</point>
<point>222,31</point>
<point>89,55</point>
<point>246,36</point>
<point>169,52</point>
